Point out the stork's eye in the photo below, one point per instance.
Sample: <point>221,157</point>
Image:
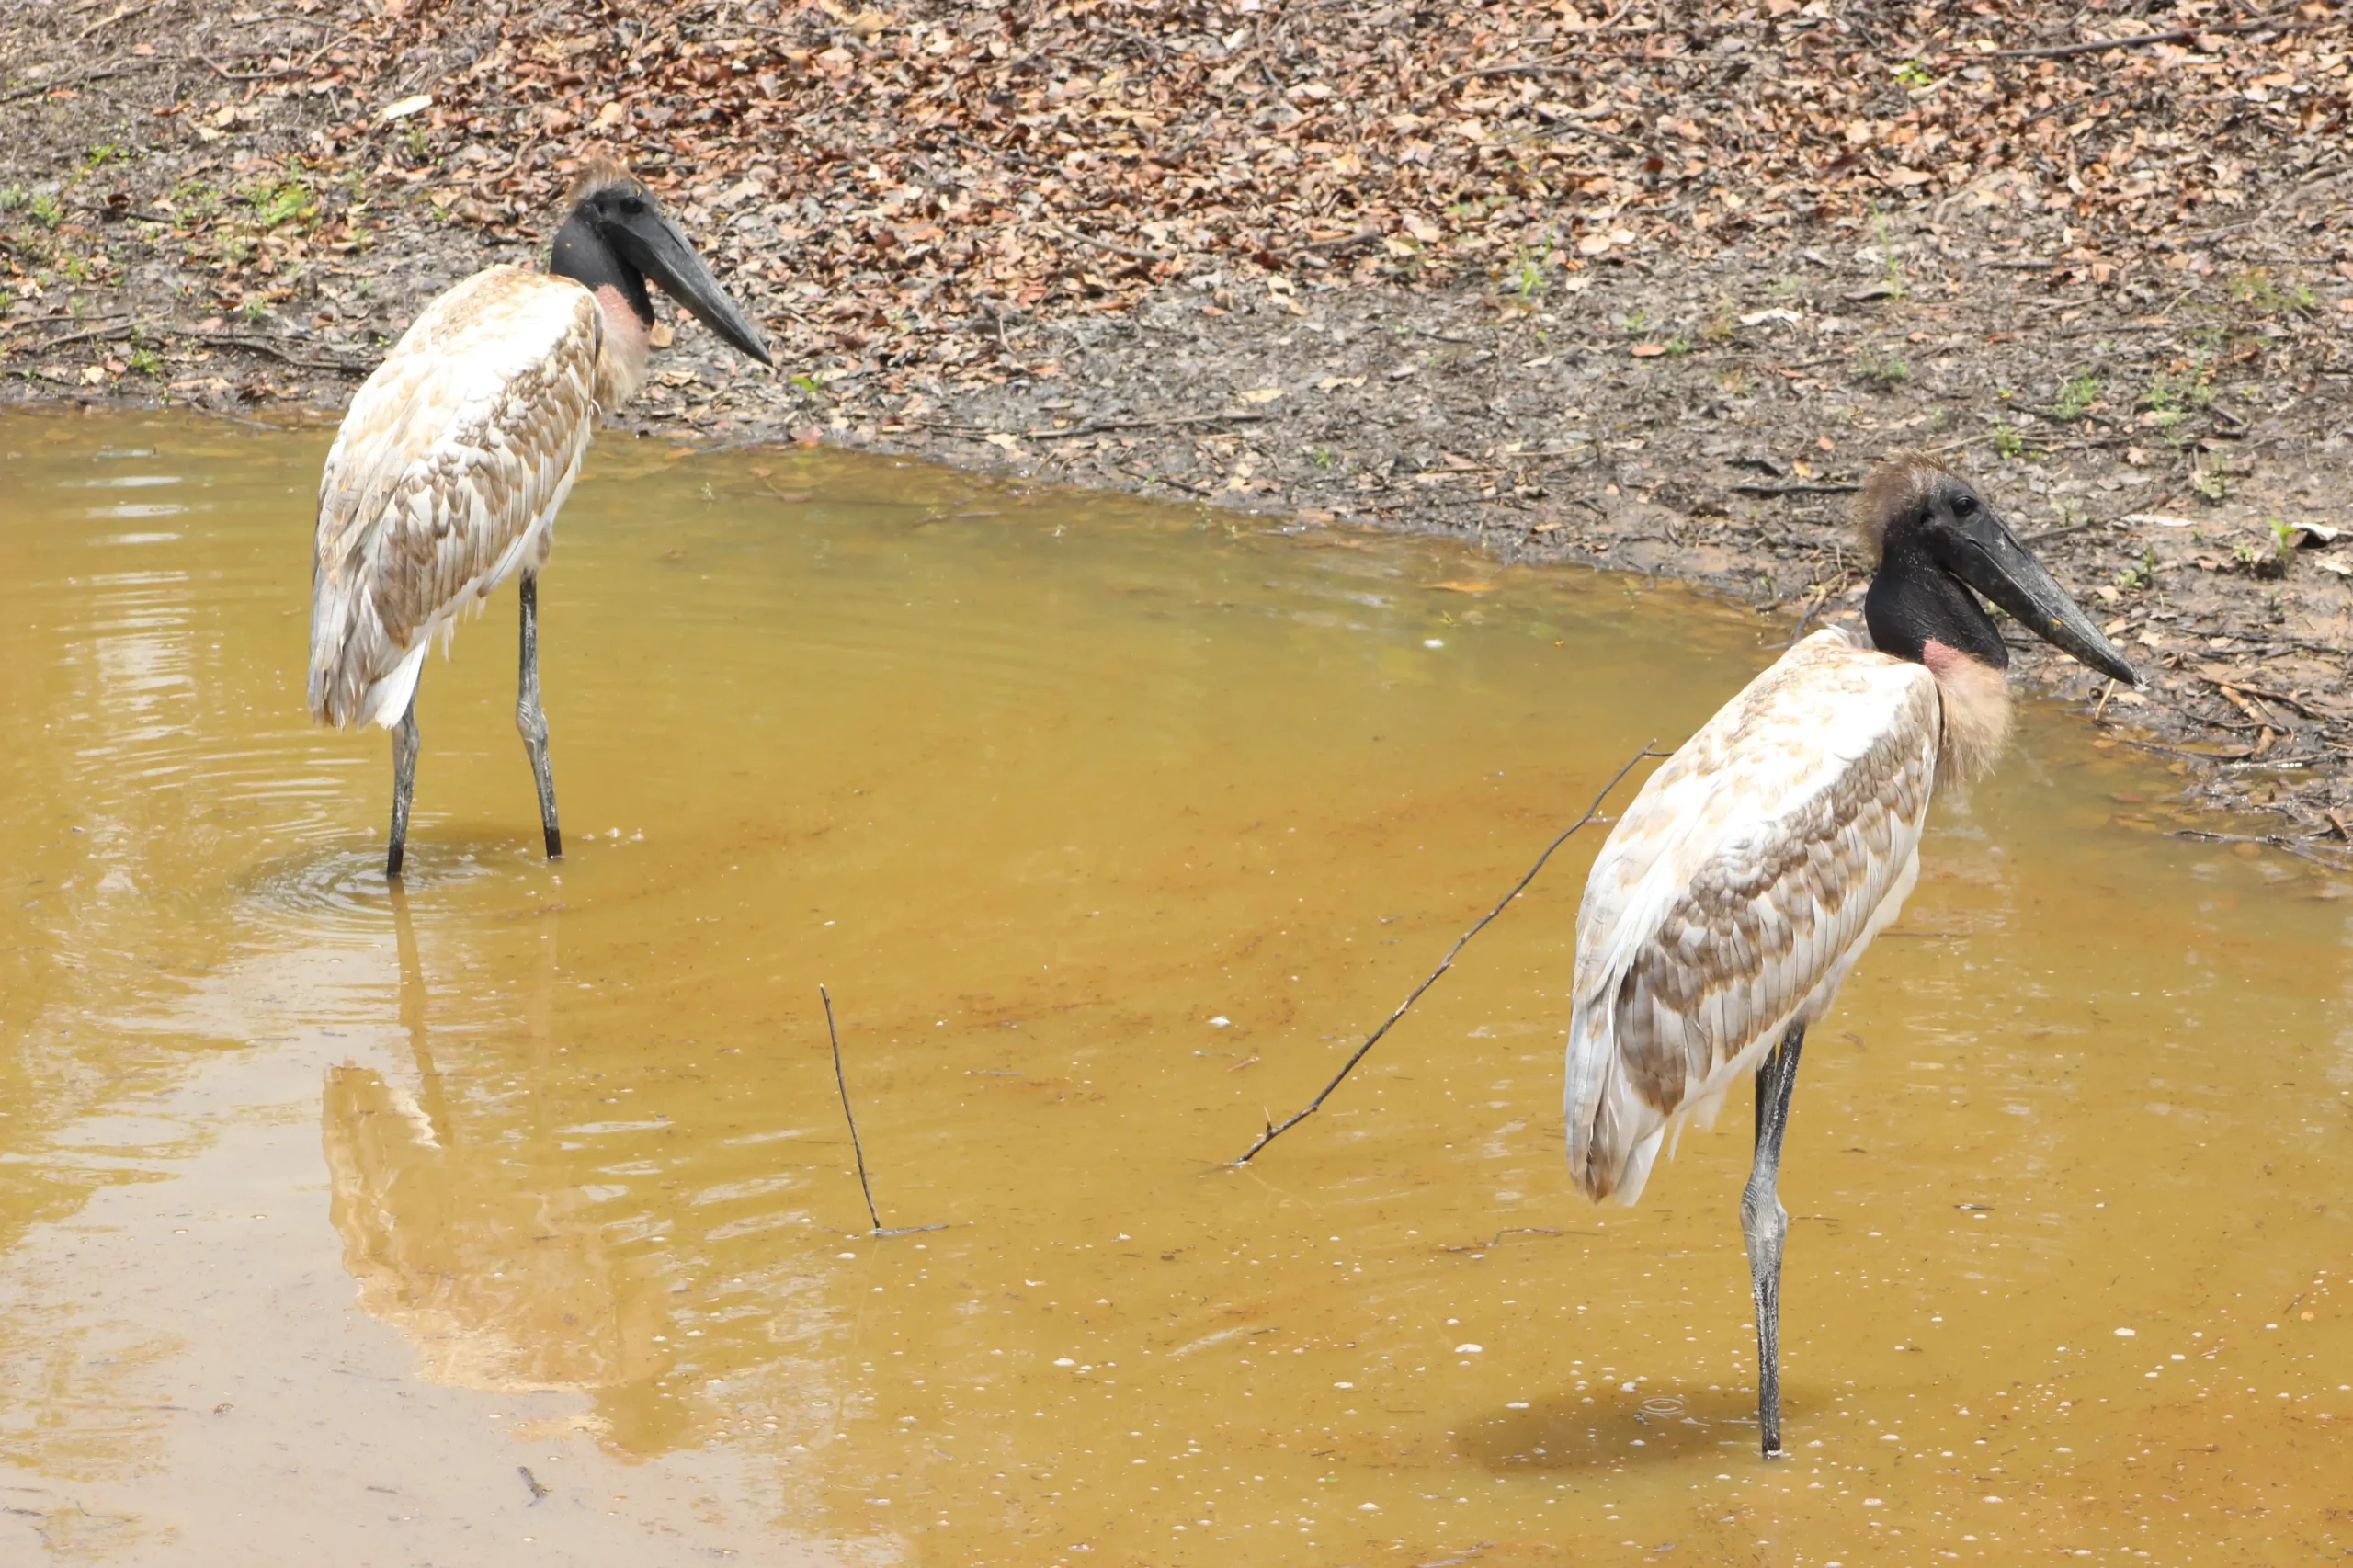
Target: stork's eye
<point>1963,505</point>
<point>633,206</point>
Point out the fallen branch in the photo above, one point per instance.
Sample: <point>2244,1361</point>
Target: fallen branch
<point>118,325</point>
<point>1343,242</point>
<point>842,1082</point>
<point>1143,256</point>
<point>1170,480</point>
<point>272,346</point>
<point>2279,21</point>
<point>103,72</point>
<point>2048,534</point>
<point>162,332</point>
<point>1103,426</point>
<point>124,14</point>
<point>2275,840</point>
<point>1273,1131</point>
<point>1770,490</point>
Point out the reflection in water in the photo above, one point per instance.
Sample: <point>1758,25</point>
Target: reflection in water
<point>503,1282</point>
<point>1111,831</point>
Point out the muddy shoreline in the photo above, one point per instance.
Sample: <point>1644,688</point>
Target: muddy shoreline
<point>2174,428</point>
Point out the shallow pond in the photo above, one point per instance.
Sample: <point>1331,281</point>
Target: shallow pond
<point>513,1219</point>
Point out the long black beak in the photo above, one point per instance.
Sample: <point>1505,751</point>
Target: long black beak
<point>655,247</point>
<point>1989,558</point>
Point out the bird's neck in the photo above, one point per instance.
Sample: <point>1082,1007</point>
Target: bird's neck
<point>1975,697</point>
<point>582,253</point>
<point>621,362</point>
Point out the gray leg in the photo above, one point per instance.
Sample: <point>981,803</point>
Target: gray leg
<point>1766,1224</point>
<point>405,743</point>
<point>532,719</point>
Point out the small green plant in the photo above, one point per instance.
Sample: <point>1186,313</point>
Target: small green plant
<point>145,362</point>
<point>1881,366</point>
<point>808,386</point>
<point>73,268</point>
<point>11,198</point>
<point>1784,290</point>
<point>2077,397</point>
<point>105,153</point>
<point>1913,74</point>
<point>2252,557</point>
<point>2008,441</point>
<point>1635,320</point>
<point>418,143</point>
<point>43,210</point>
<point>286,201</point>
<point>2210,484</point>
<point>1321,457</point>
<point>195,201</point>
<point>1719,325</point>
<point>1527,279</point>
<point>2173,394</point>
<point>254,308</point>
<point>1677,345</point>
<point>1891,270</point>
<point>2140,576</point>
<point>2256,289</point>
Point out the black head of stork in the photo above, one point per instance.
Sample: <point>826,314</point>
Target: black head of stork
<point>617,237</point>
<point>1936,540</point>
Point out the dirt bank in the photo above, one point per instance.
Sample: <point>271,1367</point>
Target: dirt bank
<point>1645,288</point>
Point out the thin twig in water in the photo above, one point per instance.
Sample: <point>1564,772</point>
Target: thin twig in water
<point>857,1148</point>
<point>1273,1131</point>
<point>1511,1230</point>
<point>2280,842</point>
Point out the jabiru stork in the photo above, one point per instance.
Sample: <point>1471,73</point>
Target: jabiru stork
<point>1753,868</point>
<point>457,453</point>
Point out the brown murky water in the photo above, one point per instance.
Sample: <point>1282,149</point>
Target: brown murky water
<point>325,1213</point>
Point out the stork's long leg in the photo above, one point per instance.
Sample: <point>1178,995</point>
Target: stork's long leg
<point>405,743</point>
<point>532,719</point>
<point>1766,1224</point>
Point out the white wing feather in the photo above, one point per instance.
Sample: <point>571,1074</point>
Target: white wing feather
<point>445,478</point>
<point>1737,890</point>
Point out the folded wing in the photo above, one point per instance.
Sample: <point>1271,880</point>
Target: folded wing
<point>1738,889</point>
<point>445,478</point>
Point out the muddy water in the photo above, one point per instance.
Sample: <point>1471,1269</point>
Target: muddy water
<point>329,1213</point>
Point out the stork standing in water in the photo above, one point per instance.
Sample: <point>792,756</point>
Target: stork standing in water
<point>1756,866</point>
<point>457,454</point>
